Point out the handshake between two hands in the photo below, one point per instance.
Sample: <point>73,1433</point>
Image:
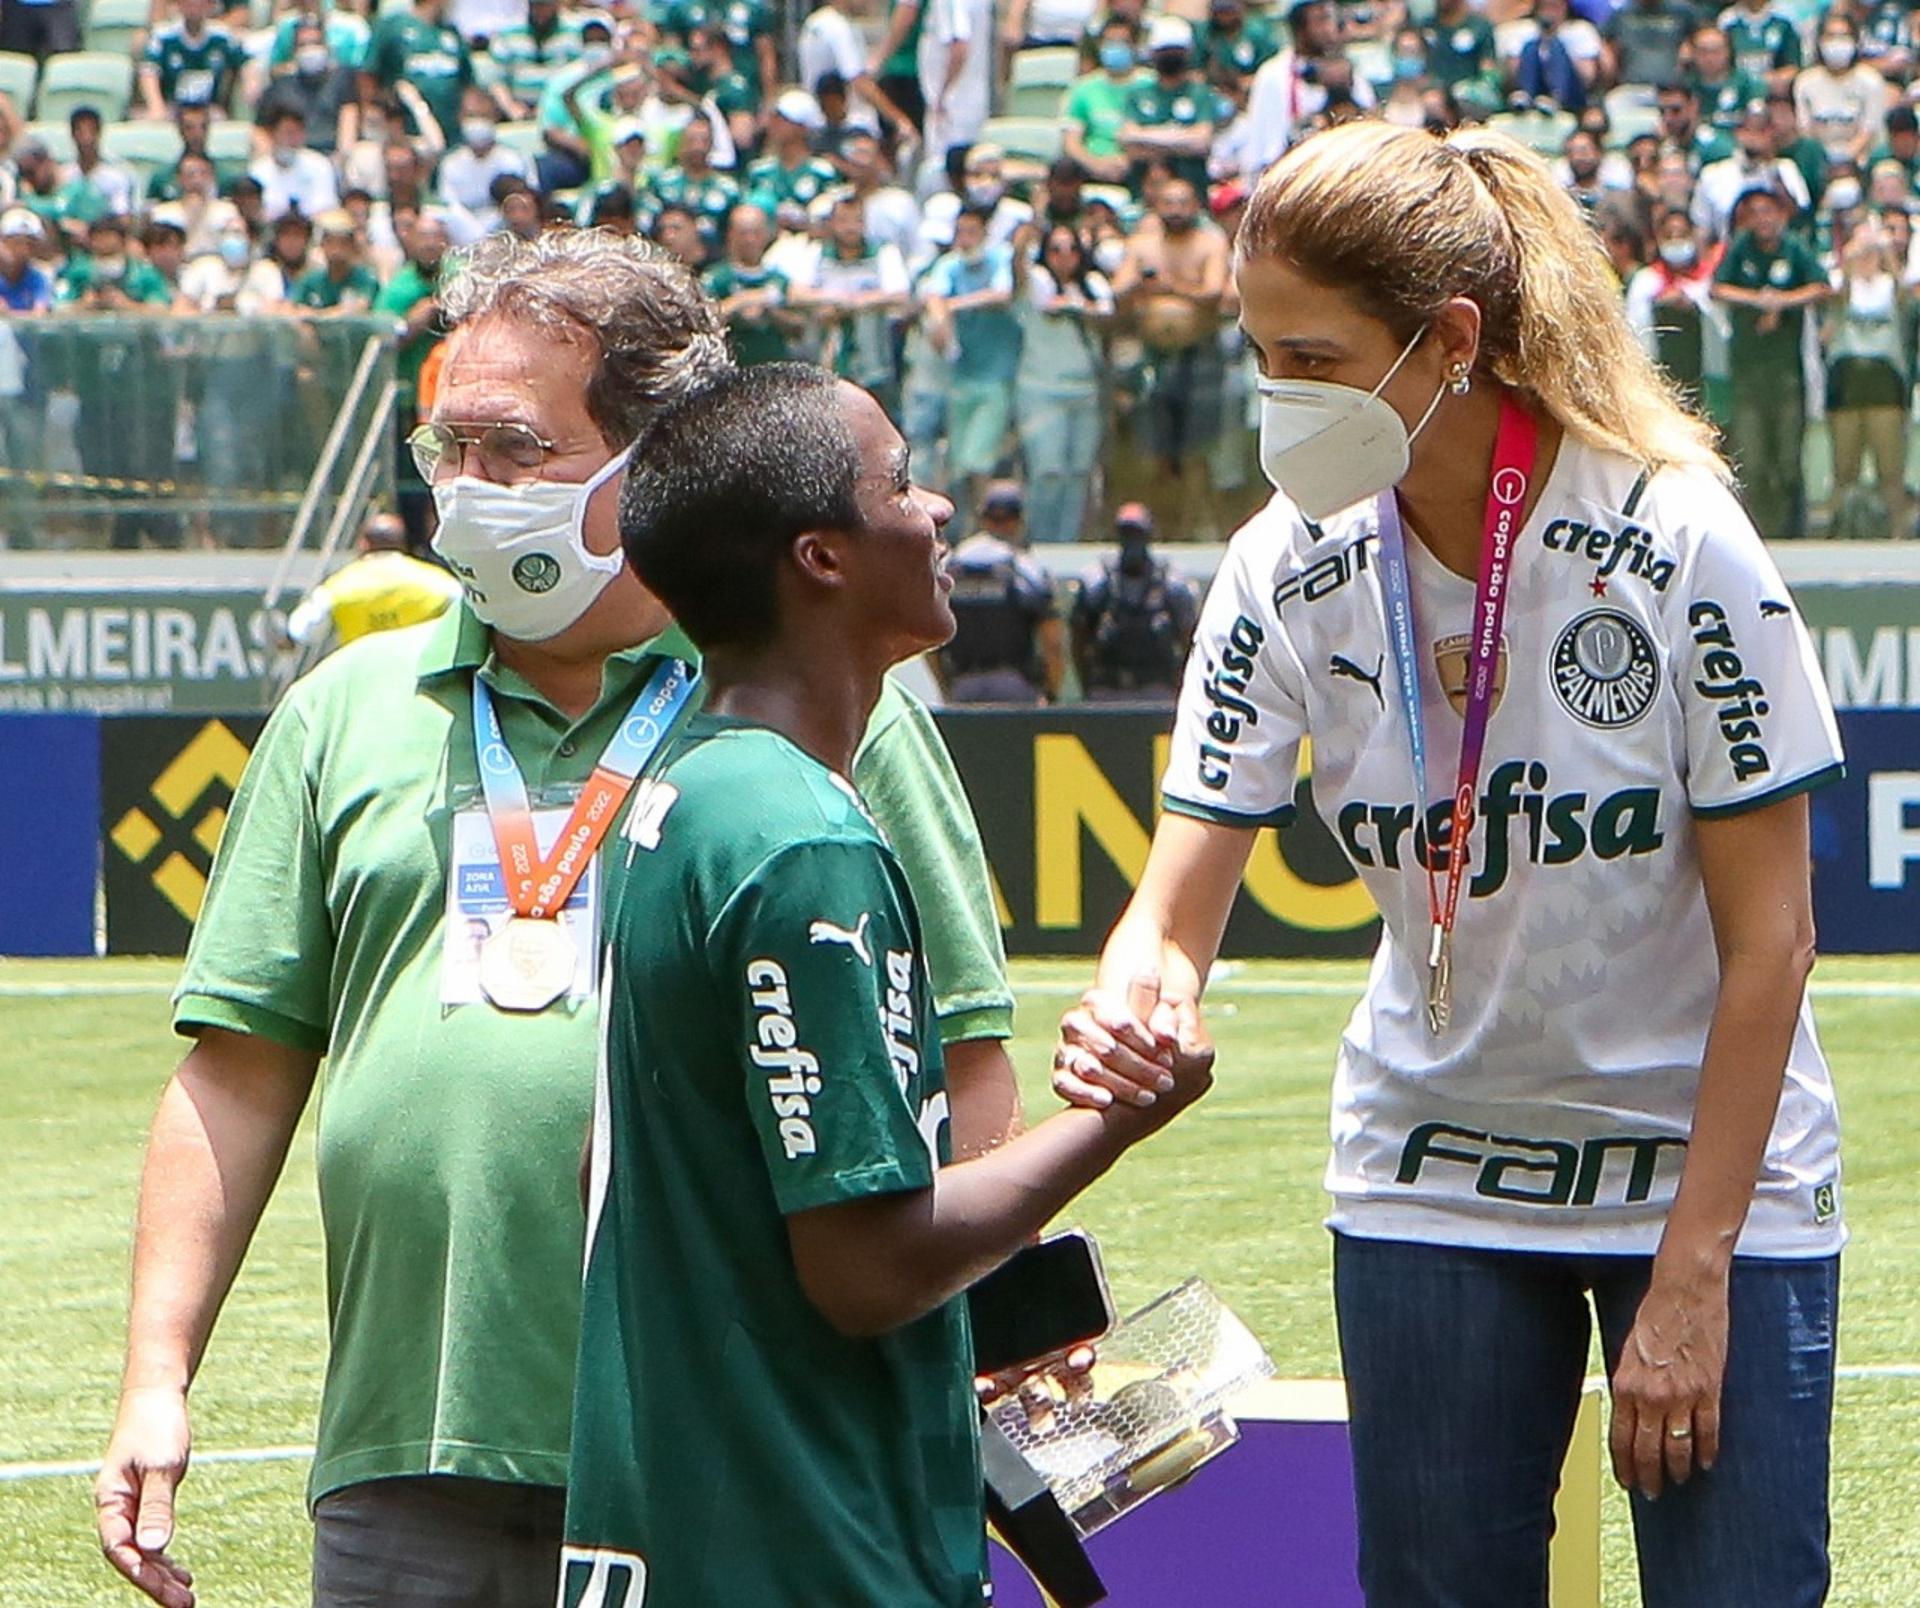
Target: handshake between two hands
<point>1141,1050</point>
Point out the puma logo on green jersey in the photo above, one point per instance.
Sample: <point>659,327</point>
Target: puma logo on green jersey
<point>777,1049</point>
<point>854,937</point>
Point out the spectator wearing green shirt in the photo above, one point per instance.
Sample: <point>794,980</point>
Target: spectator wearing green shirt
<point>790,178</point>
<point>529,54</point>
<point>705,70</point>
<point>563,161</point>
<point>420,47</point>
<point>895,62</point>
<point>1680,127</point>
<point>1765,41</point>
<point>324,92</point>
<point>93,187</point>
<point>1171,117</point>
<point>1463,57</point>
<point>1797,146</point>
<point>1768,280</point>
<point>747,26</point>
<point>450,1135</point>
<point>624,197</point>
<point>1646,37</point>
<point>1096,108</point>
<point>347,36</point>
<point>127,401</point>
<point>1724,92</point>
<point>1902,144</point>
<point>1236,40</point>
<point>970,321</point>
<point>341,282</point>
<point>695,183</point>
<point>194,124</point>
<point>192,62</point>
<point>411,298</point>
<point>752,293</point>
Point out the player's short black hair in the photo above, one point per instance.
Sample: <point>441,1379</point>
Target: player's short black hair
<point>720,484</point>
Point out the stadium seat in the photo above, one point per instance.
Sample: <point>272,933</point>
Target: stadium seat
<point>1035,137</point>
<point>19,77</point>
<point>1037,80</point>
<point>145,147</point>
<point>1544,132</point>
<point>56,137</point>
<point>521,137</point>
<point>85,78</point>
<point>1372,60</point>
<point>1632,110</point>
<point>114,25</point>
<point>230,140</point>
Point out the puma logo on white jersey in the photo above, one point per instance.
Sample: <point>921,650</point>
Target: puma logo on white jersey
<point>855,937</point>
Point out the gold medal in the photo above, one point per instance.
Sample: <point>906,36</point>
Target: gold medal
<point>527,964</point>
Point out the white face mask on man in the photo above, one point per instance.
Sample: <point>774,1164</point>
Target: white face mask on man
<point>1329,446</point>
<point>520,551</point>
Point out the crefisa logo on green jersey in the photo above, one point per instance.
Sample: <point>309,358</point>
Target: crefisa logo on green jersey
<point>1559,827</point>
<point>777,1049</point>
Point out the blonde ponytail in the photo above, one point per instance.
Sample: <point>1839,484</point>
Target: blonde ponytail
<point>1405,222</point>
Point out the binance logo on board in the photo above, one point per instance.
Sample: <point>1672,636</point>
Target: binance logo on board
<point>214,757</point>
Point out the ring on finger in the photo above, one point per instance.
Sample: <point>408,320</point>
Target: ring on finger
<point>1680,1432</point>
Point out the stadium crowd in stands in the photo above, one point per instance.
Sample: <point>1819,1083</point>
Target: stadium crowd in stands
<point>1009,221</point>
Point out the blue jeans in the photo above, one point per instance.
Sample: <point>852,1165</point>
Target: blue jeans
<point>1060,428</point>
<point>1464,1370</point>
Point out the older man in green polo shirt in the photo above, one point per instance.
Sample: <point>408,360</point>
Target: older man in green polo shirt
<point>395,895</point>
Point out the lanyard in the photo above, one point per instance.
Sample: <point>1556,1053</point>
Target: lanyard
<point>1514,448</point>
<point>538,888</point>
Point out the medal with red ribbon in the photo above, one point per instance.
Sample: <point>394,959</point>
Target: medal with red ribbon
<point>1515,447</point>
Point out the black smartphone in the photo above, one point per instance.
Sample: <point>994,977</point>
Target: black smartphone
<point>1042,1302</point>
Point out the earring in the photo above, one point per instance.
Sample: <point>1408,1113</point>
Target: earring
<point>1461,378</point>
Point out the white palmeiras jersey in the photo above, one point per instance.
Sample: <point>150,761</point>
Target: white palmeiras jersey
<point>1654,671</point>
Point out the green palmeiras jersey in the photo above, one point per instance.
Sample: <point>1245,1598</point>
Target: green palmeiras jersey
<point>768,1047</point>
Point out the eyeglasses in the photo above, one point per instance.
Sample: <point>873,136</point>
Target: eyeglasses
<point>509,453</point>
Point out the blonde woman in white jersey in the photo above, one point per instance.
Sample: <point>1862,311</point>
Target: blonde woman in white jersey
<point>1583,1082</point>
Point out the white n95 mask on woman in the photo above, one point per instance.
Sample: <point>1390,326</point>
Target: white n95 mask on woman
<point>1328,446</point>
<point>520,552</point>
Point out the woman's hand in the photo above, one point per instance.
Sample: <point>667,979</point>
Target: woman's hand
<point>1113,1048</point>
<point>1666,1389</point>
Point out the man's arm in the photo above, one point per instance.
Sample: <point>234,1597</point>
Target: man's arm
<point>218,1142</point>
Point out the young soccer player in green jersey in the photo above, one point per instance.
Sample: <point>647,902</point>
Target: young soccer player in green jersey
<point>774,1402</point>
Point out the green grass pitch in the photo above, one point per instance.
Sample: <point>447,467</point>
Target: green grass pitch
<point>1232,1192</point>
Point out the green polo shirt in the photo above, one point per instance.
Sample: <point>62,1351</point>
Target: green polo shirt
<point>429,55</point>
<point>1188,105</point>
<point>449,1139</point>
<point>317,288</point>
<point>1097,105</point>
<point>1789,266</point>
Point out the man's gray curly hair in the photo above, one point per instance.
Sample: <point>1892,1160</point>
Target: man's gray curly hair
<point>659,335</point>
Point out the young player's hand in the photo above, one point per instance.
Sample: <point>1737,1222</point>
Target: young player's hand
<point>133,1495</point>
<point>1144,1052</point>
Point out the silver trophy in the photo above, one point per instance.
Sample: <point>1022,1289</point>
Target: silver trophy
<point>1156,1411</point>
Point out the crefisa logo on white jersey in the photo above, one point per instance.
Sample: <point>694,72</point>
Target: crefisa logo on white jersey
<point>1605,671</point>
